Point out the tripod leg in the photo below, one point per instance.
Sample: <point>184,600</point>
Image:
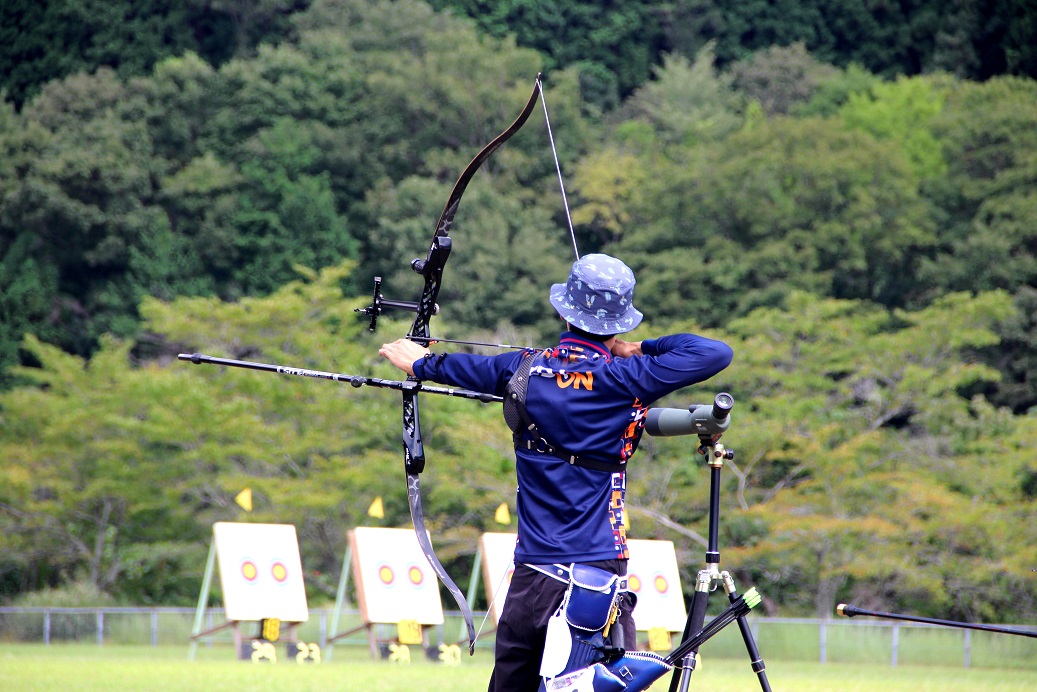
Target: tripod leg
<point>755,659</point>
<point>696,619</point>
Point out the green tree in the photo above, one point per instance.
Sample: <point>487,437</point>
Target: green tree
<point>614,44</point>
<point>115,471</point>
<point>42,42</point>
<point>784,204</point>
<point>968,39</point>
<point>986,204</point>
<point>686,102</point>
<point>781,77</point>
<point>903,111</point>
<point>83,201</point>
<point>505,256</point>
<point>844,412</point>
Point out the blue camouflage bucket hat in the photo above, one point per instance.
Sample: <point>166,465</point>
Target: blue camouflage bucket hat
<point>598,297</point>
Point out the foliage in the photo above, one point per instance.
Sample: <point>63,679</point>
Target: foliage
<point>687,102</point>
<point>781,78</point>
<point>41,42</point>
<point>971,40</point>
<point>842,431</point>
<point>613,44</point>
<point>115,473</point>
<point>866,243</point>
<point>902,111</point>
<point>74,595</point>
<point>746,219</point>
<point>987,204</point>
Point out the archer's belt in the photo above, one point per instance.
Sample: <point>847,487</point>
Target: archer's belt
<point>563,573</point>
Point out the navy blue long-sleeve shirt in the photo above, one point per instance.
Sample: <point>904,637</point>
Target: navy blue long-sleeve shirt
<point>585,400</point>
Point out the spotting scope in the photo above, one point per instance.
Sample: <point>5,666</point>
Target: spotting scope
<point>697,419</point>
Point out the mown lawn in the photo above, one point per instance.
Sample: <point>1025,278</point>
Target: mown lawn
<point>91,667</point>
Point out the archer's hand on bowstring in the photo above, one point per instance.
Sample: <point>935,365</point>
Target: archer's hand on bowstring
<point>626,349</point>
<point>403,353</point>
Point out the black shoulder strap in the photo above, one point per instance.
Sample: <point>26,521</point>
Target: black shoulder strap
<point>515,396</point>
<point>519,422</point>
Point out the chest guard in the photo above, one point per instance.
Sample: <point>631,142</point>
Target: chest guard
<point>525,432</point>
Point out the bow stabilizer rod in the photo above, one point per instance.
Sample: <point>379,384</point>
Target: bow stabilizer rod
<point>353,380</point>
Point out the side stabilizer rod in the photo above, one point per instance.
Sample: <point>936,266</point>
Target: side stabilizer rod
<point>850,611</point>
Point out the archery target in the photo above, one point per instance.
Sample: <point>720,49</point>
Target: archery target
<point>394,580</point>
<point>498,565</point>
<point>260,571</point>
<point>652,574</point>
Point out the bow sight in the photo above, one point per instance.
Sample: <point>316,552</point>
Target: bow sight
<point>380,302</point>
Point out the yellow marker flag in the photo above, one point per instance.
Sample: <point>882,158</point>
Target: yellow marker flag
<point>244,498</point>
<point>376,509</point>
<point>502,515</point>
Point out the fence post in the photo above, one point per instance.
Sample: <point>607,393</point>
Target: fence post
<point>968,648</point>
<point>46,626</point>
<point>896,645</point>
<point>154,627</point>
<point>824,641</point>
<point>100,627</point>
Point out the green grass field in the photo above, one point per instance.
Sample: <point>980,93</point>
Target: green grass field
<point>91,667</point>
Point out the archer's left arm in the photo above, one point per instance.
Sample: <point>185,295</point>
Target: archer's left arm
<point>488,374</point>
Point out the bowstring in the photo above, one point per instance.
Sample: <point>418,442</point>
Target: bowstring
<point>489,607</point>
<point>558,166</point>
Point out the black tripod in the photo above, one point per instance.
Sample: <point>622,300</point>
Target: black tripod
<point>709,425</point>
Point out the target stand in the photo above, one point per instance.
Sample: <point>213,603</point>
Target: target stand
<point>396,588</point>
<point>652,574</point>
<point>261,579</point>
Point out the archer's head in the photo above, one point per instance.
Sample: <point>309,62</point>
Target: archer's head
<point>598,298</point>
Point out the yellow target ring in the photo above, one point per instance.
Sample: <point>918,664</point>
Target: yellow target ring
<point>661,585</point>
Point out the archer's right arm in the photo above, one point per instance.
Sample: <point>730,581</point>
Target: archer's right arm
<point>672,362</point>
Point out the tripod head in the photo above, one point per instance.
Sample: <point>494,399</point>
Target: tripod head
<point>705,420</point>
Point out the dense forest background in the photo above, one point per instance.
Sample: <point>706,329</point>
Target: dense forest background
<point>846,194</point>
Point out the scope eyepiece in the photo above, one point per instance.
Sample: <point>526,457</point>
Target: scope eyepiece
<point>722,405</point>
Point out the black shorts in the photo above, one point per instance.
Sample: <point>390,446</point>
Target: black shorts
<point>533,598</point>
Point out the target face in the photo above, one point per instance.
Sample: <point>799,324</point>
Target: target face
<point>653,575</point>
<point>498,564</point>
<point>394,579</point>
<point>260,571</point>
